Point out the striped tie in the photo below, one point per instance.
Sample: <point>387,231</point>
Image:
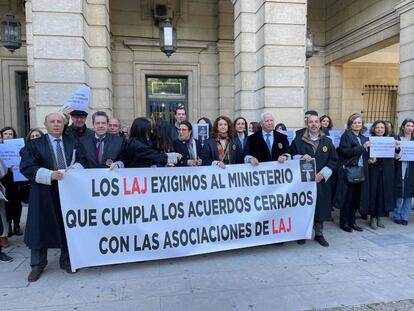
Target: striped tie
<point>60,160</point>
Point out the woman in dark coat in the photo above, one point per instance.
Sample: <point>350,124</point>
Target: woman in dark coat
<point>223,148</point>
<point>187,146</point>
<point>240,126</point>
<point>13,204</point>
<point>142,151</point>
<point>404,177</point>
<point>353,151</point>
<point>381,180</point>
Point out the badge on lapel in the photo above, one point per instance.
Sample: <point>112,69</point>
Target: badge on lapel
<point>234,147</point>
<point>325,149</point>
<point>280,145</point>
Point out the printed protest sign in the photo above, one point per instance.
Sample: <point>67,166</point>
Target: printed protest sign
<point>131,215</point>
<point>382,147</point>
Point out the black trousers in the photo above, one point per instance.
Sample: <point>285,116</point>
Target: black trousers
<point>350,206</point>
<point>38,258</point>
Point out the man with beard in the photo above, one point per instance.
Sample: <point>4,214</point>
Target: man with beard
<point>314,144</point>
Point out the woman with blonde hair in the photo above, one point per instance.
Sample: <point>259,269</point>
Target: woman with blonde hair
<point>352,191</point>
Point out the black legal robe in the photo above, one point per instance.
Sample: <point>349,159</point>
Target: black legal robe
<point>44,226</point>
<point>181,148</point>
<point>325,155</point>
<point>257,147</point>
<point>210,153</point>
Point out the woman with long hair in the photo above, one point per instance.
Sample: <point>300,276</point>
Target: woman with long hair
<point>254,127</point>
<point>33,134</point>
<point>142,151</point>
<point>222,148</point>
<point>187,146</point>
<point>14,205</point>
<point>163,136</point>
<point>326,122</point>
<point>381,177</point>
<point>404,177</point>
<point>352,195</point>
<point>240,126</point>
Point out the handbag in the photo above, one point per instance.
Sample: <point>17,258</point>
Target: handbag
<point>354,174</point>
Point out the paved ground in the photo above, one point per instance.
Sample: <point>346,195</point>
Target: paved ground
<point>365,268</point>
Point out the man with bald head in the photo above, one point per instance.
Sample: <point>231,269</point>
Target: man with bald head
<point>266,145</point>
<point>44,161</point>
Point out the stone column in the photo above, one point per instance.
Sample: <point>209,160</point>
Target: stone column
<point>334,94</point>
<point>68,45</point>
<point>270,59</point>
<point>406,11</point>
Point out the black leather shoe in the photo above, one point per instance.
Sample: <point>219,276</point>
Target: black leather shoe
<point>67,268</point>
<point>34,275</point>
<point>345,228</point>
<point>404,222</point>
<point>321,240</point>
<point>301,242</point>
<point>356,228</point>
<point>17,230</point>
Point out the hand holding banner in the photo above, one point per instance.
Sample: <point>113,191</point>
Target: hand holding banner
<point>79,100</point>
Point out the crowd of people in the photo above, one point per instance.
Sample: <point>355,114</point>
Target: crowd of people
<point>347,177</point>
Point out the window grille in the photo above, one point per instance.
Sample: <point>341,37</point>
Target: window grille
<point>380,103</point>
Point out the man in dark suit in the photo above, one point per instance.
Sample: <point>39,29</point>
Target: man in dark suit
<point>101,149</point>
<point>43,163</point>
<point>180,116</point>
<point>267,144</point>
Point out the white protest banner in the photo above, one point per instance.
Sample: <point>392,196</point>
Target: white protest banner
<point>382,147</point>
<point>407,150</point>
<point>17,144</point>
<point>79,100</point>
<point>129,215</point>
<point>290,135</point>
<point>335,136</point>
<point>201,132</point>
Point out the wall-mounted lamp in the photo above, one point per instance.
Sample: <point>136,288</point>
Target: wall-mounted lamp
<point>310,44</point>
<point>10,32</point>
<point>168,37</point>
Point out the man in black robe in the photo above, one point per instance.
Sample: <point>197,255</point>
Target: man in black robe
<point>266,145</point>
<point>101,149</point>
<point>314,144</point>
<point>43,163</point>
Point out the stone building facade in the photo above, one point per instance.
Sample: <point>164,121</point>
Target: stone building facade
<point>234,57</point>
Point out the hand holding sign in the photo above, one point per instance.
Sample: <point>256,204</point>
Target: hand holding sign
<point>78,101</point>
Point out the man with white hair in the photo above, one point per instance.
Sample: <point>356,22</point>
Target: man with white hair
<point>266,145</point>
<point>43,163</point>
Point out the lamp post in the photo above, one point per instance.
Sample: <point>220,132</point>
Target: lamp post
<point>310,44</point>
<point>168,38</point>
<point>10,32</point>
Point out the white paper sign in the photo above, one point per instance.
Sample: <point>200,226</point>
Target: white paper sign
<point>335,136</point>
<point>290,135</point>
<point>17,144</point>
<point>79,100</point>
<point>407,150</point>
<point>129,215</point>
<point>382,147</point>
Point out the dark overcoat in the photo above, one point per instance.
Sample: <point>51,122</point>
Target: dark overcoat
<point>210,153</point>
<point>382,171</point>
<point>143,154</point>
<point>349,151</point>
<point>44,226</point>
<point>181,148</point>
<point>76,132</point>
<point>257,147</point>
<point>325,156</point>
<point>398,184</point>
<point>114,149</point>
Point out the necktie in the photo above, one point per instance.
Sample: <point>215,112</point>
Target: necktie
<point>269,145</point>
<point>100,150</point>
<point>60,160</point>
